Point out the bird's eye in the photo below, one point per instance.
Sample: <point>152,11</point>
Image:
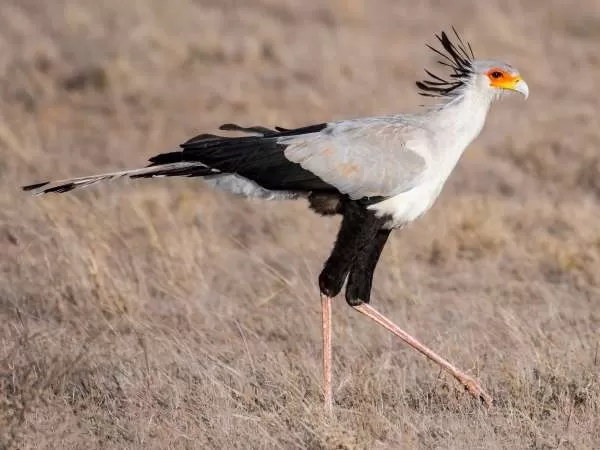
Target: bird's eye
<point>497,74</point>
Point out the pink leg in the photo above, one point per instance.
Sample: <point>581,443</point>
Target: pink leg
<point>327,393</point>
<point>469,383</point>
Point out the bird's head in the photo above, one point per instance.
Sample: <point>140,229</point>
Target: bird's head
<point>491,78</point>
<point>498,78</point>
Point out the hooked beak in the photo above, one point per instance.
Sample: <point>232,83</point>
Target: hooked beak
<point>511,83</point>
<point>521,86</point>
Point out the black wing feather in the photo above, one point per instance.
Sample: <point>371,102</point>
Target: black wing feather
<point>257,158</point>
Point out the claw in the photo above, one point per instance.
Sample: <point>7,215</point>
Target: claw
<point>477,391</point>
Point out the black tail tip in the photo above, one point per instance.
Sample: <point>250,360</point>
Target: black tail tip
<point>166,158</point>
<point>31,187</point>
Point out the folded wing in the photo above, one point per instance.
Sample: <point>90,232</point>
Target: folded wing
<point>378,158</point>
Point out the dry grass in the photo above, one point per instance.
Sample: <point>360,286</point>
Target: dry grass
<point>160,314</point>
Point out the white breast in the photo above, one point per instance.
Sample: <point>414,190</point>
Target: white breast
<point>408,206</point>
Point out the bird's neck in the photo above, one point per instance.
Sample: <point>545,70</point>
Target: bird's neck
<point>465,112</point>
<point>458,122</point>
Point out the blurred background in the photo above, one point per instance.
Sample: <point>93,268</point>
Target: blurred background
<point>161,314</point>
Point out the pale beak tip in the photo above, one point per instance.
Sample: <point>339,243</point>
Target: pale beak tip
<point>523,88</point>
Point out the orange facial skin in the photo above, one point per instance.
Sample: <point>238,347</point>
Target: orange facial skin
<point>502,79</point>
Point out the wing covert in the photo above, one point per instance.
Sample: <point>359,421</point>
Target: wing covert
<point>362,160</point>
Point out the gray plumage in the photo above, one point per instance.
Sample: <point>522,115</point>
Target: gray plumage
<point>358,157</point>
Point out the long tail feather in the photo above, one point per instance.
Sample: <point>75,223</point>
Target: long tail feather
<point>258,158</point>
<point>174,169</point>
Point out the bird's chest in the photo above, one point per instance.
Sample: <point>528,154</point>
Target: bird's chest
<point>408,206</point>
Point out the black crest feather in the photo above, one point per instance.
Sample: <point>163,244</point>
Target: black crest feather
<point>458,57</point>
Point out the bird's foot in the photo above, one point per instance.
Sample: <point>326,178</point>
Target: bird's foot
<point>475,389</point>
<point>469,383</point>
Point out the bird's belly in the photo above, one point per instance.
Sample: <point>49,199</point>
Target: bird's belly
<point>407,206</point>
<point>238,185</point>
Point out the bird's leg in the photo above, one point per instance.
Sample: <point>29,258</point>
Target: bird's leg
<point>327,390</point>
<point>358,289</point>
<point>338,264</point>
<point>469,383</point>
<point>358,292</point>
<point>331,281</point>
<point>357,230</point>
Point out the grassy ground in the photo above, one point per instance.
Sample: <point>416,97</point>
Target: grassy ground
<point>160,314</point>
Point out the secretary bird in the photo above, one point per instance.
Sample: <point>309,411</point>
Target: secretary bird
<point>379,173</point>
